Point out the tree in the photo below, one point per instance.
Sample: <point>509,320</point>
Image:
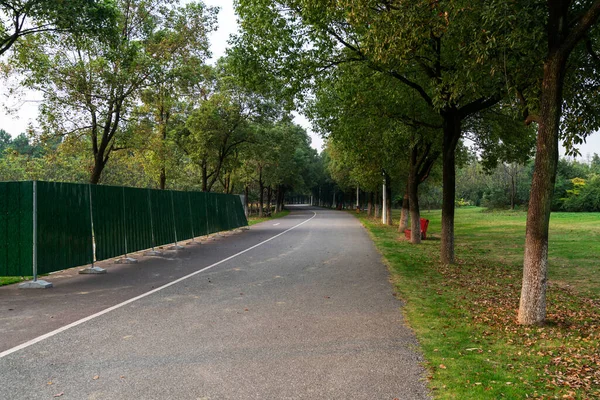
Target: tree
<point>90,85</point>
<point>183,41</point>
<point>214,131</point>
<point>5,141</point>
<point>569,27</point>
<point>27,17</point>
<point>441,51</point>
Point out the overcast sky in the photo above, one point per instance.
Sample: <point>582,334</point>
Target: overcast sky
<point>25,109</point>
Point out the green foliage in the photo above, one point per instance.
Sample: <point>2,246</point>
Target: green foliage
<point>29,17</point>
<point>585,195</point>
<point>91,85</point>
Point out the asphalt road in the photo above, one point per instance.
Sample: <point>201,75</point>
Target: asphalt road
<point>307,315</point>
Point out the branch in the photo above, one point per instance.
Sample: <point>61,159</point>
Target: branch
<point>478,105</point>
<point>581,27</point>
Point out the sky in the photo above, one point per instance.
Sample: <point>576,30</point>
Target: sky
<point>24,109</point>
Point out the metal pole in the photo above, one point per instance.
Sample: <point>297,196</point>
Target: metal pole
<point>35,284</point>
<point>174,224</point>
<point>151,220</point>
<point>177,246</point>
<point>35,266</point>
<point>124,223</point>
<point>152,252</point>
<point>126,259</point>
<point>384,216</point>
<point>357,196</point>
<point>92,225</point>
<point>191,219</point>
<point>92,270</point>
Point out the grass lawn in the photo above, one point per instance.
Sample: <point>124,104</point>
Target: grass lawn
<point>8,280</point>
<point>255,220</point>
<point>465,314</point>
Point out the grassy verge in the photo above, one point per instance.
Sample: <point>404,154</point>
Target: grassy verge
<point>256,220</point>
<point>9,280</point>
<point>464,314</point>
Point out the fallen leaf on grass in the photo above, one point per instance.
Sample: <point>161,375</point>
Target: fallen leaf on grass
<point>442,366</point>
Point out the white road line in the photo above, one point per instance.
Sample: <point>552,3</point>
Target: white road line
<point>105,311</point>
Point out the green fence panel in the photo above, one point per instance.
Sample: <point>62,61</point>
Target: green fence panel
<point>198,211</point>
<point>222,204</point>
<point>138,225</point>
<point>239,210</point>
<point>16,228</point>
<point>231,220</point>
<point>123,220</point>
<point>108,214</point>
<point>64,226</point>
<point>162,217</point>
<point>183,221</point>
<point>213,212</point>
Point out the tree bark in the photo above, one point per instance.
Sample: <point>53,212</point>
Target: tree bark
<point>413,198</point>
<point>246,193</point>
<point>377,205</point>
<point>562,38</point>
<point>370,205</point>
<point>163,178</point>
<point>261,198</point>
<point>532,307</point>
<point>204,177</point>
<point>403,225</point>
<point>97,170</point>
<point>269,198</point>
<point>388,188</point>
<point>452,132</point>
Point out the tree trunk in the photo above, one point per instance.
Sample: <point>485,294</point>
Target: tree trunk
<point>281,196</point>
<point>532,307</point>
<point>452,132</point>
<point>246,192</point>
<point>413,199</point>
<point>388,189</point>
<point>162,179</point>
<point>97,169</point>
<point>204,177</point>
<point>403,225</point>
<point>370,205</point>
<point>269,198</point>
<point>377,205</point>
<point>261,199</point>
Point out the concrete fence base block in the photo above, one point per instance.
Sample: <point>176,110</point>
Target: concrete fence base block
<point>39,284</point>
<point>153,253</point>
<point>176,247</point>
<point>92,271</point>
<point>192,243</point>
<point>126,260</point>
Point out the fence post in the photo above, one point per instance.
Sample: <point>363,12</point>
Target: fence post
<point>191,218</point>
<point>93,269</point>
<point>206,197</point>
<point>35,283</point>
<point>384,208</point>
<point>126,259</point>
<point>176,246</point>
<point>152,252</point>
